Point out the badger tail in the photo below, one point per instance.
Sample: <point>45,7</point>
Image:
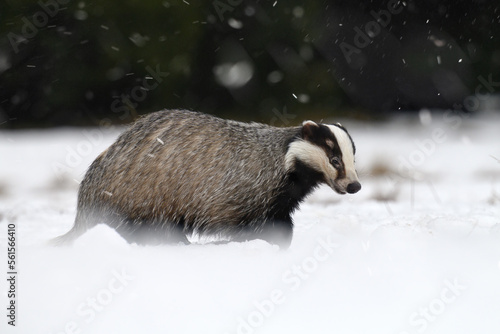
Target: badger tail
<point>68,238</point>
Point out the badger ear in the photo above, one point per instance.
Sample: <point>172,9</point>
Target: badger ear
<point>309,130</point>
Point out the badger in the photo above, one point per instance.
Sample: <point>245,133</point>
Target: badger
<point>178,173</point>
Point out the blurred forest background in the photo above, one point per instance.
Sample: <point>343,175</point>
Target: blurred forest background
<point>66,62</point>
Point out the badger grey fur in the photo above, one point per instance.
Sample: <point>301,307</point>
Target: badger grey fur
<point>174,173</point>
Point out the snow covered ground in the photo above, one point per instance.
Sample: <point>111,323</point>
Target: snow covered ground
<point>417,250</point>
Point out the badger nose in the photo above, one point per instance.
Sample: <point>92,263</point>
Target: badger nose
<point>353,187</point>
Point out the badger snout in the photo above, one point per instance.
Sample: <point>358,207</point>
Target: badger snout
<point>353,187</point>
<point>342,187</point>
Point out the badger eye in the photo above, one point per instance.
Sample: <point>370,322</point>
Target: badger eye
<point>335,161</point>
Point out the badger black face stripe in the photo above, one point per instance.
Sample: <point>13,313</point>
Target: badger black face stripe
<point>339,166</point>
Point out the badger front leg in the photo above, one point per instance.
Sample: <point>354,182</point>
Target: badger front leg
<point>277,232</point>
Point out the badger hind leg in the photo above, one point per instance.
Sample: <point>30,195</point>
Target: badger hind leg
<point>81,225</point>
<point>69,237</point>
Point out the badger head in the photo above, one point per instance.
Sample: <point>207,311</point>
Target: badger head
<point>329,150</point>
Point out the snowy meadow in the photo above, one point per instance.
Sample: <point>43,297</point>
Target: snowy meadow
<point>417,250</point>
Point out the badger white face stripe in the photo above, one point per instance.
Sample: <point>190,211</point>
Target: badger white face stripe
<point>346,148</point>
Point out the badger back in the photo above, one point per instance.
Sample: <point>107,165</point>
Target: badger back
<point>185,165</point>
